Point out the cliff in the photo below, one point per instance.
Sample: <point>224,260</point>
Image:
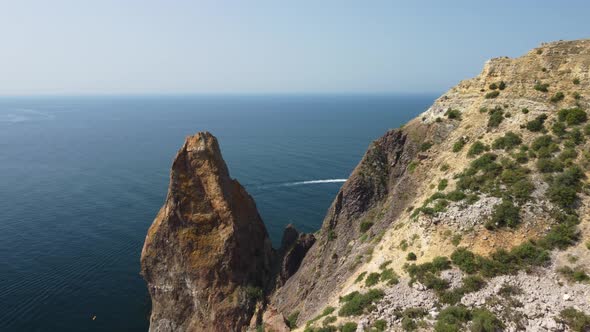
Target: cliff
<point>474,215</point>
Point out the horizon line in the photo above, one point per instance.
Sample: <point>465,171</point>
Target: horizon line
<point>221,94</point>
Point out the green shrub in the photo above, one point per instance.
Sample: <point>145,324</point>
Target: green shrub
<point>384,265</point>
<point>548,165</point>
<point>440,205</point>
<point>543,87</point>
<point>501,262</point>
<point>577,274</point>
<point>496,116</point>
<point>360,277</point>
<point>389,276</point>
<point>459,144</point>
<point>442,184</point>
<point>348,327</point>
<point>357,303</point>
<point>331,235</point>
<point>456,240</point>
<point>254,293</point>
<point>426,273</point>
<point>563,188</point>
<point>568,155</point>
<point>572,116</point>
<point>453,114</point>
<point>536,124</point>
<point>425,146</point>
<point>557,97</point>
<point>559,129</point>
<point>412,166</point>
<point>492,94</point>
<point>577,95</point>
<point>372,279</point>
<point>452,318</point>
<point>507,142</point>
<point>379,325</point>
<point>561,236</point>
<point>502,85</point>
<point>521,157</point>
<point>576,81</point>
<point>505,214</point>
<point>409,316</point>
<point>476,148</point>
<point>365,226</point>
<point>541,142</point>
<point>485,321</point>
<point>473,284</point>
<point>329,320</point>
<point>411,256</point>
<point>493,86</point>
<point>456,195</point>
<point>525,111</point>
<point>466,260</point>
<point>576,137</point>
<point>575,319</point>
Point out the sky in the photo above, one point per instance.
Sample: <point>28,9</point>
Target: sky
<point>265,47</point>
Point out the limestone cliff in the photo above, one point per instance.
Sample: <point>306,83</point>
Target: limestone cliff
<point>474,215</point>
<point>207,255</point>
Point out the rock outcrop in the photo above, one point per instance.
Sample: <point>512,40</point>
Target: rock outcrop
<point>207,256</point>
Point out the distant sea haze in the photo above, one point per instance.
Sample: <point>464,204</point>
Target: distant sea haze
<point>83,178</point>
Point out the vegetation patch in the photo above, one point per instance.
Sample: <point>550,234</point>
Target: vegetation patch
<point>505,214</point>
<point>409,317</point>
<point>453,114</point>
<point>372,279</point>
<point>496,116</point>
<point>577,274</point>
<point>537,124</point>
<point>442,184</point>
<point>507,142</point>
<point>459,144</point>
<point>292,320</point>
<point>477,148</point>
<point>575,319</point>
<point>349,327</point>
<point>356,304</point>
<point>360,277</point>
<point>572,116</point>
<point>557,97</point>
<point>492,94</point>
<point>327,311</point>
<point>390,277</point>
<point>543,87</point>
<point>365,226</point>
<point>425,146</point>
<point>501,262</point>
<point>427,273</point>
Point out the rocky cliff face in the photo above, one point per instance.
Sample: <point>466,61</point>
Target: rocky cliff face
<point>207,255</point>
<point>472,216</point>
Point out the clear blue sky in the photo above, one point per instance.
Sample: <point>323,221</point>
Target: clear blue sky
<point>302,46</point>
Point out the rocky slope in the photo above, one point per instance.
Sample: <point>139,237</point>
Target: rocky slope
<point>472,216</point>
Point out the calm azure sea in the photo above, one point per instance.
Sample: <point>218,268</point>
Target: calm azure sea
<point>83,177</point>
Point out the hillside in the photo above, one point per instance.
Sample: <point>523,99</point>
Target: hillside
<point>474,215</point>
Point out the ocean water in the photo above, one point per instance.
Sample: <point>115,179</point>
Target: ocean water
<point>83,177</point>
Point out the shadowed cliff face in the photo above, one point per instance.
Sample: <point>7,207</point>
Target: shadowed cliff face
<point>207,255</point>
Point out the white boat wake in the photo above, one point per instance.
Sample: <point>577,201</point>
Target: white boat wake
<point>314,182</point>
<point>299,183</point>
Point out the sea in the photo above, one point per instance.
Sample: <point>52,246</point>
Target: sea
<point>82,177</point>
